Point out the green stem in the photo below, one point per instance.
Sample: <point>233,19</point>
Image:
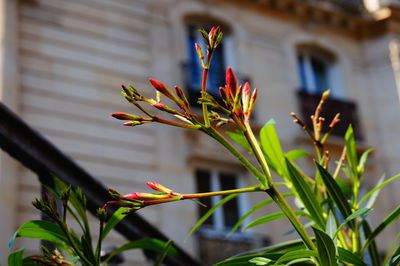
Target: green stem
<point>223,192</point>
<point>291,215</point>
<point>73,244</point>
<point>203,105</point>
<point>251,139</point>
<point>98,248</point>
<point>176,124</point>
<point>221,139</point>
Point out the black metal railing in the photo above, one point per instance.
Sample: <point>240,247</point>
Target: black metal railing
<point>348,112</point>
<point>31,149</point>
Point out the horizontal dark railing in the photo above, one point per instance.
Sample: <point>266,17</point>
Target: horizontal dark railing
<point>36,153</point>
<point>348,112</point>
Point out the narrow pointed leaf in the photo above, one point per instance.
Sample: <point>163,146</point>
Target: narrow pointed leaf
<point>354,215</point>
<point>393,216</point>
<point>326,248</point>
<point>331,226</point>
<point>272,147</point>
<point>372,248</point>
<point>351,151</point>
<point>306,195</point>
<point>244,260</point>
<point>363,162</point>
<point>253,210</point>
<point>210,212</point>
<point>164,253</point>
<point>269,218</point>
<point>335,193</point>
<point>113,221</point>
<point>346,256</point>
<point>260,261</point>
<point>297,254</point>
<point>377,188</point>
<point>240,139</point>
<point>16,258</point>
<point>296,154</point>
<point>39,229</point>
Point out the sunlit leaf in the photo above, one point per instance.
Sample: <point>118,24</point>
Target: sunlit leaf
<point>377,189</point>
<point>296,154</point>
<point>297,254</point>
<point>114,220</point>
<point>39,229</point>
<point>306,195</point>
<point>331,226</point>
<point>354,215</point>
<point>240,139</point>
<point>349,257</point>
<point>351,151</point>
<point>260,261</point>
<point>16,258</point>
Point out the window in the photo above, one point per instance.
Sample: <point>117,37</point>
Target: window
<point>225,217</point>
<point>319,71</point>
<point>222,58</point>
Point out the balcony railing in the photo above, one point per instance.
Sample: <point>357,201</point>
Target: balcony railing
<point>33,151</point>
<point>348,112</point>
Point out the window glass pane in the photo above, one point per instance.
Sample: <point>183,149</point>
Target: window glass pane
<point>217,72</point>
<point>320,71</point>
<point>302,72</point>
<point>231,208</point>
<point>204,185</point>
<point>193,66</point>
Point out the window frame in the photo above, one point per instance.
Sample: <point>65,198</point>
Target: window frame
<point>218,228</point>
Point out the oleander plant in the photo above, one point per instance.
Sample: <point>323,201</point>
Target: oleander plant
<point>331,217</point>
<point>335,228</point>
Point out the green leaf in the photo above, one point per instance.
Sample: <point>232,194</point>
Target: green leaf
<point>372,249</point>
<point>393,216</point>
<point>244,260</point>
<point>269,218</point>
<point>164,253</point>
<point>16,258</point>
<point>331,226</point>
<point>210,212</point>
<point>306,195</point>
<point>346,256</point>
<point>346,189</point>
<point>326,248</point>
<point>240,139</point>
<point>260,261</point>
<point>113,221</point>
<point>253,210</point>
<point>354,215</point>
<point>296,154</point>
<point>39,229</point>
<point>297,254</point>
<point>146,243</point>
<point>335,193</point>
<point>363,162</point>
<point>272,147</point>
<point>377,189</point>
<point>351,151</point>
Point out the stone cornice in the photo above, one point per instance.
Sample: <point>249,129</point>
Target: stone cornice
<point>358,26</point>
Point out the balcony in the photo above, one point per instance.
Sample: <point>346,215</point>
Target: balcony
<point>348,112</point>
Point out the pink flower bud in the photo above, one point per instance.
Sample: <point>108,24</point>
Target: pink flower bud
<point>124,116</point>
<point>231,83</point>
<point>145,196</point>
<point>158,187</point>
<point>246,97</point>
<point>199,51</point>
<point>132,123</point>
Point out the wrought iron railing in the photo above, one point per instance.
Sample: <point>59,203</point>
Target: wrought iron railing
<point>347,109</point>
<point>35,152</point>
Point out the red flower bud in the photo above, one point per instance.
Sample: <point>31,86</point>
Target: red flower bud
<point>246,97</point>
<point>158,187</point>
<point>145,196</point>
<point>231,83</point>
<point>161,87</point>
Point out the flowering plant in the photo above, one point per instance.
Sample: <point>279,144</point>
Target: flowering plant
<point>341,232</point>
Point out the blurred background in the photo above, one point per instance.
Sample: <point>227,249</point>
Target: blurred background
<point>62,63</point>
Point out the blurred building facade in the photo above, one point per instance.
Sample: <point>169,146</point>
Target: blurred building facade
<point>62,63</point>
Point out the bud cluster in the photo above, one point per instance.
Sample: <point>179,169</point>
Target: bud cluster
<point>213,39</point>
<point>51,259</point>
